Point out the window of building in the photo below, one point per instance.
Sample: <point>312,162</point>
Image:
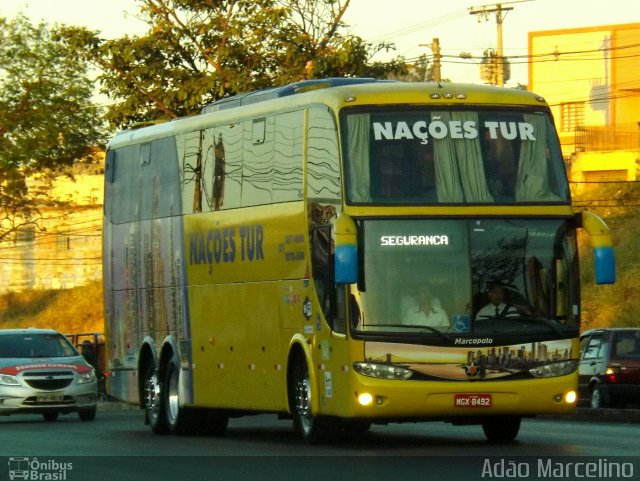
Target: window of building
<point>63,241</point>
<point>26,234</point>
<point>571,116</point>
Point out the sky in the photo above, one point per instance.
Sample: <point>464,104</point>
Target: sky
<point>406,23</point>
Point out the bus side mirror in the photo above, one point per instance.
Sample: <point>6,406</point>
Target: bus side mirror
<point>605,265</point>
<point>346,253</point>
<point>604,260</point>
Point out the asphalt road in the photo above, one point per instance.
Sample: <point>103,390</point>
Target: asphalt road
<point>117,446</point>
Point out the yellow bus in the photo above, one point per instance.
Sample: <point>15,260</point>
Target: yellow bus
<point>346,252</point>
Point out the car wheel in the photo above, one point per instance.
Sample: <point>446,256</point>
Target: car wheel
<point>50,417</point>
<point>503,429</point>
<point>88,414</point>
<point>596,400</point>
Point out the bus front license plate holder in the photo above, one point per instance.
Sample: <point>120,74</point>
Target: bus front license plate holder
<point>472,400</point>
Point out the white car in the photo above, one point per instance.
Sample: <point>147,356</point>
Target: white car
<point>42,373</point>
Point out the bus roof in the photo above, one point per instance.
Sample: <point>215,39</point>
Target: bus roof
<point>336,93</point>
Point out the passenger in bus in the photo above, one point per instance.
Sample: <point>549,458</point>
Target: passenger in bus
<point>424,310</point>
<point>498,305</point>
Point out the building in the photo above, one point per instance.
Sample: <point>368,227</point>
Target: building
<point>591,78</point>
<point>65,251</point>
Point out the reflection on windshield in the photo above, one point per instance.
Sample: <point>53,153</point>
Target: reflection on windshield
<point>35,346</point>
<point>482,276</point>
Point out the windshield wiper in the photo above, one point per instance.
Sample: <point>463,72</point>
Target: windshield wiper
<point>412,326</point>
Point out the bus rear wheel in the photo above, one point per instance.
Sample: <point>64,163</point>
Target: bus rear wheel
<point>152,396</point>
<point>501,429</point>
<point>313,429</point>
<point>179,419</point>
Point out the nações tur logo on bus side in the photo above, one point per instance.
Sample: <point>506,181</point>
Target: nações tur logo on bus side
<point>227,244</point>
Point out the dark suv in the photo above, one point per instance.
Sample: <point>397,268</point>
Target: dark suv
<point>610,367</point>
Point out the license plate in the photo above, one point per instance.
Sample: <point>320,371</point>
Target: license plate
<point>472,400</point>
<point>50,398</point>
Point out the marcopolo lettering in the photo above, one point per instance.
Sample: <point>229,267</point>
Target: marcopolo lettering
<point>455,129</point>
<point>215,246</point>
<point>473,341</point>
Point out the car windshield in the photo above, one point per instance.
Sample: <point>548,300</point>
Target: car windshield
<point>35,345</point>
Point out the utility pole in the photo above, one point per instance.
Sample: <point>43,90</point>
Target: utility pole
<point>500,12</point>
<point>435,48</point>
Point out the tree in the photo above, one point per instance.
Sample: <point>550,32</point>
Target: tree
<point>421,70</point>
<point>197,51</point>
<point>47,119</point>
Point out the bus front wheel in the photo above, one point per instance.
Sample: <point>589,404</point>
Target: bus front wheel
<point>312,428</point>
<point>503,429</point>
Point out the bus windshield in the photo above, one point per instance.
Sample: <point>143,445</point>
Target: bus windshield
<point>472,276</point>
<point>418,156</point>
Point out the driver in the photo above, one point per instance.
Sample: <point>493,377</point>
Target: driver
<point>498,305</point>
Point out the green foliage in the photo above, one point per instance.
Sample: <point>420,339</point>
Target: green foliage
<point>47,119</point>
<point>612,305</point>
<point>197,51</point>
<point>68,311</point>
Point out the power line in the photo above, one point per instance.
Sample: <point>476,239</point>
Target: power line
<point>414,28</point>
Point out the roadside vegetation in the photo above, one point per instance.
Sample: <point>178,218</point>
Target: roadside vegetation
<point>69,311</point>
<point>616,305</point>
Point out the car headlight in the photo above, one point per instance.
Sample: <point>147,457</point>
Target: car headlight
<point>383,371</point>
<point>9,380</point>
<point>554,369</point>
<point>86,377</point>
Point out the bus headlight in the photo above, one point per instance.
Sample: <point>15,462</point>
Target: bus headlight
<point>554,369</point>
<point>382,371</point>
<point>365,399</point>
<point>571,397</point>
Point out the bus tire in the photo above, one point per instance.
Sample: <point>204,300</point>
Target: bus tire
<point>152,397</point>
<point>501,429</point>
<point>179,420</point>
<point>313,429</point>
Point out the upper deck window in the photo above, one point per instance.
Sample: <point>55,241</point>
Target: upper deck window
<point>419,156</point>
